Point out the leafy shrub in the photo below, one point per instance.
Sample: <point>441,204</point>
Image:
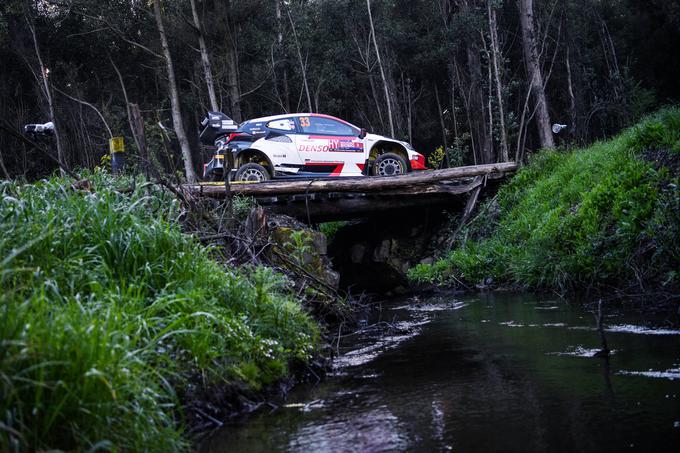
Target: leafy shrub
<point>242,205</point>
<point>660,130</point>
<point>329,229</point>
<point>453,154</point>
<point>436,157</point>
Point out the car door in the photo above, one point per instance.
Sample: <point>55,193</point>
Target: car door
<point>279,145</point>
<point>329,147</point>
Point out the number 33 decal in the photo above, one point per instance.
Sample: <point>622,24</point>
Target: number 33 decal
<point>304,121</point>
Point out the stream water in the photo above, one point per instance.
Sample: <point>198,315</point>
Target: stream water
<point>493,373</point>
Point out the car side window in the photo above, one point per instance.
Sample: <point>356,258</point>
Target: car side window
<point>324,126</point>
<point>284,124</point>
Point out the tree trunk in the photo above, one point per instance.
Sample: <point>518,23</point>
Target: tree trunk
<point>526,13</point>
<point>303,65</point>
<point>205,59</point>
<point>441,122</point>
<point>489,84</point>
<point>476,107</point>
<point>137,126</point>
<point>234,84</point>
<point>230,34</point>
<point>408,100</point>
<point>496,57</point>
<point>465,94</point>
<point>4,169</point>
<point>474,96</point>
<point>382,71</point>
<point>279,42</point>
<point>136,123</point>
<point>375,100</point>
<point>572,98</point>
<point>454,116</point>
<point>177,122</point>
<point>47,90</point>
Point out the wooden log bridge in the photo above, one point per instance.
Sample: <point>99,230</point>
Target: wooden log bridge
<point>328,199</point>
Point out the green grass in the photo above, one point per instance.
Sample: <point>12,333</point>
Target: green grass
<point>108,312</point>
<point>576,219</point>
<point>329,229</point>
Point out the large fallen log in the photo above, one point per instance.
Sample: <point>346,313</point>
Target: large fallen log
<point>360,184</point>
<point>426,189</point>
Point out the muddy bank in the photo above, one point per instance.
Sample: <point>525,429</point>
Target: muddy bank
<point>208,409</point>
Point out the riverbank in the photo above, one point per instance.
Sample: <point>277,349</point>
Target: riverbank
<point>112,319</point>
<point>604,218</point>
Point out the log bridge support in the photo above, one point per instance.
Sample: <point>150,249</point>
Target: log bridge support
<point>320,200</point>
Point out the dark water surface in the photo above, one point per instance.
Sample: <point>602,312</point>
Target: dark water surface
<point>501,373</point>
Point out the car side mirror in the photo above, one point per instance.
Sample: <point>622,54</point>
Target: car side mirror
<point>362,133</point>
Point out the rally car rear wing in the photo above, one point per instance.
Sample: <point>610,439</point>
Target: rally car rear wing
<point>215,125</point>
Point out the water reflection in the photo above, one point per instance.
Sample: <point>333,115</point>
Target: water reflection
<point>371,430</point>
<point>502,373</point>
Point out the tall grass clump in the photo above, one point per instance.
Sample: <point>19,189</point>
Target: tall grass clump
<point>108,312</point>
<point>606,214</point>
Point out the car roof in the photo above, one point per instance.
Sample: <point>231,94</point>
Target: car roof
<point>290,115</point>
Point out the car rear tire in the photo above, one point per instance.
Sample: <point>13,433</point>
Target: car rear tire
<point>389,164</point>
<point>252,172</point>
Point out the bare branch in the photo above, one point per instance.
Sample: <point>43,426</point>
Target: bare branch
<point>80,101</point>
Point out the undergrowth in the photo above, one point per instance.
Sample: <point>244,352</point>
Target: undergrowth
<point>569,220</point>
<point>331,228</point>
<point>108,312</point>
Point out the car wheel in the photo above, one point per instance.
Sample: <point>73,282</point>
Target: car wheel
<point>389,164</point>
<point>252,172</point>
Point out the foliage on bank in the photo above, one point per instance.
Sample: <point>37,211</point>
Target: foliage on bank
<point>108,313</point>
<point>605,215</point>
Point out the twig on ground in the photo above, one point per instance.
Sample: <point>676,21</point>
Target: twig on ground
<point>209,417</point>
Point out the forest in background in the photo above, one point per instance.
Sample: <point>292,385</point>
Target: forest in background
<point>479,78</point>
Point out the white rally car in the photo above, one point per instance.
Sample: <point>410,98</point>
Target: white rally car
<point>302,145</point>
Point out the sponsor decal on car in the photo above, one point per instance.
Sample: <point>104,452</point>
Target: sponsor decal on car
<point>334,145</point>
<point>348,145</point>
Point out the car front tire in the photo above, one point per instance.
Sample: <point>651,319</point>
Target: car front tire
<point>389,164</point>
<point>252,172</point>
